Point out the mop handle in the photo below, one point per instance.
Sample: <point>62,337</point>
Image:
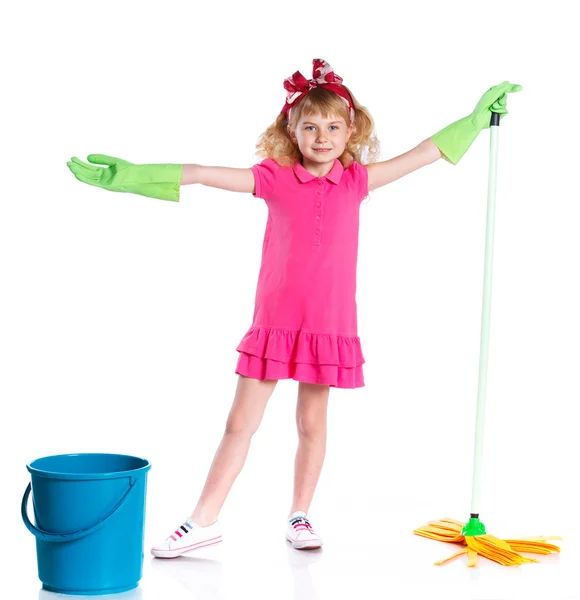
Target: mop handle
<point>485,316</point>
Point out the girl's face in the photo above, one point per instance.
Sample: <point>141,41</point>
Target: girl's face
<point>329,135</point>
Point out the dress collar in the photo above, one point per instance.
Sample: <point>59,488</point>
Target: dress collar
<point>333,175</point>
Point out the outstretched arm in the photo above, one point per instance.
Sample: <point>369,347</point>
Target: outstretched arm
<point>381,173</point>
<point>161,181</point>
<point>451,143</point>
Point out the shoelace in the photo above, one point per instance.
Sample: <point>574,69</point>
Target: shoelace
<point>301,524</point>
<point>181,531</point>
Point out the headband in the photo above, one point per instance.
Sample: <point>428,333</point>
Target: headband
<point>297,86</point>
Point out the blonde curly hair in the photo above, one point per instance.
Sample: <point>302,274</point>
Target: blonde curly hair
<point>276,142</point>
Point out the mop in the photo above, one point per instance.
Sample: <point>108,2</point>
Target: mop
<point>473,534</point>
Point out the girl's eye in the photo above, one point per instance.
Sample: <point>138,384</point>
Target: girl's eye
<point>309,126</point>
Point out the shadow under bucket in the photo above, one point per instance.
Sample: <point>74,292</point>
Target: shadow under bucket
<point>89,512</point>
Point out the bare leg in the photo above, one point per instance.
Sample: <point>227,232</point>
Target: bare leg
<point>245,416</point>
<point>311,410</point>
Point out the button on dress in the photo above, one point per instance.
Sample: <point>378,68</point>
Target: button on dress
<point>305,315</point>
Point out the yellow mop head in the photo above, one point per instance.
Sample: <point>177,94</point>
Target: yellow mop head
<point>504,552</point>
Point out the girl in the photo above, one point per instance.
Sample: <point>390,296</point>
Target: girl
<point>305,319</point>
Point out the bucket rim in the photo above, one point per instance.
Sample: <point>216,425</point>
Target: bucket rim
<point>87,476</point>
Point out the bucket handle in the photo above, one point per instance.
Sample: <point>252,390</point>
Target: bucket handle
<point>48,536</point>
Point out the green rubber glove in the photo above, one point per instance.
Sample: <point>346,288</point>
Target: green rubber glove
<point>454,141</point>
<point>155,181</point>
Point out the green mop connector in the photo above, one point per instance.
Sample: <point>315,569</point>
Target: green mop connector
<point>474,527</point>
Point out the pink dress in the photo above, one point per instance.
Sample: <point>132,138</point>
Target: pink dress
<point>305,316</point>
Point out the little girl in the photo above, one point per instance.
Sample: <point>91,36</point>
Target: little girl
<point>305,319</point>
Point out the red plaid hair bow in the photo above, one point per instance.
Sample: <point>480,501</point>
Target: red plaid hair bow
<point>323,76</point>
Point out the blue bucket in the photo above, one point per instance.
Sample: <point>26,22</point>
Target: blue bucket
<point>89,511</point>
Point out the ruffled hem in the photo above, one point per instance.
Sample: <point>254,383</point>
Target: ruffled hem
<point>332,375</point>
<point>301,347</point>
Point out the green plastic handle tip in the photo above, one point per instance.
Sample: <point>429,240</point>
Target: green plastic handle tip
<point>474,527</point>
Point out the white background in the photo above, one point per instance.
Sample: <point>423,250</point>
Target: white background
<point>120,314</point>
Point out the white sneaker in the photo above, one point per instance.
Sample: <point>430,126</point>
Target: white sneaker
<point>299,532</point>
<point>187,538</point>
